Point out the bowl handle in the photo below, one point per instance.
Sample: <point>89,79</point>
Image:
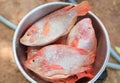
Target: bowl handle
<point>116,57</point>
<point>7,22</point>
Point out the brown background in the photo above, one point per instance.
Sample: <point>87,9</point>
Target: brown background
<point>14,10</point>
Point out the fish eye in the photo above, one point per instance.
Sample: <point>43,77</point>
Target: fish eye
<point>88,27</point>
<point>28,34</point>
<point>33,60</point>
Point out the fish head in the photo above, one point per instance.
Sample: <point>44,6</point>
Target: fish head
<point>83,35</point>
<point>31,36</point>
<point>85,29</point>
<point>35,62</point>
<point>86,34</point>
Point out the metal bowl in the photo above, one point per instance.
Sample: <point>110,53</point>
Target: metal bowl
<point>19,52</point>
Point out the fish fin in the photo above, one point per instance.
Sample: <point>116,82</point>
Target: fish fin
<point>92,56</point>
<point>82,51</point>
<point>68,7</point>
<point>74,78</point>
<point>75,42</point>
<point>84,74</point>
<point>87,73</point>
<point>71,79</point>
<point>46,28</point>
<point>53,67</point>
<point>82,8</point>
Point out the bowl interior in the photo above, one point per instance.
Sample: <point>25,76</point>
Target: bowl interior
<point>39,12</point>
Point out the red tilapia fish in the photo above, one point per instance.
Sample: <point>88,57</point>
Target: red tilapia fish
<point>55,62</point>
<point>54,25</point>
<point>83,36</point>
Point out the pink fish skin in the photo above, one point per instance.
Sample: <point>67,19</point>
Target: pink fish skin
<point>56,62</point>
<point>83,36</point>
<point>32,50</point>
<point>54,25</point>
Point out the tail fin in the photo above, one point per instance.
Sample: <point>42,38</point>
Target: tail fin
<point>82,8</point>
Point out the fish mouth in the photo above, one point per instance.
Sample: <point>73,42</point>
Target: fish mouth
<point>25,41</point>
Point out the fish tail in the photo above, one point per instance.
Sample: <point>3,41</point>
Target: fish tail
<point>82,8</point>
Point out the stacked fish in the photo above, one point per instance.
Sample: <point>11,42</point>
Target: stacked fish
<point>60,48</point>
